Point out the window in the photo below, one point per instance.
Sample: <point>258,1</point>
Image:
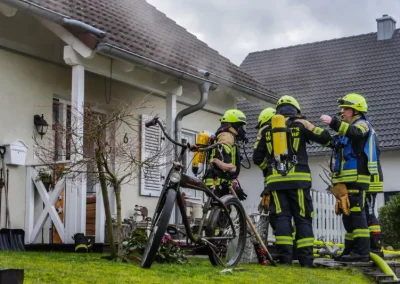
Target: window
<point>152,145</point>
<point>190,137</point>
<point>61,130</point>
<point>62,139</point>
<point>389,195</point>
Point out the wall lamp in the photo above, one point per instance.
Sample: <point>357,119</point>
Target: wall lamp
<point>40,124</point>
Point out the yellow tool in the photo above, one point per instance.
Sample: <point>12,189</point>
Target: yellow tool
<point>200,157</point>
<point>279,139</point>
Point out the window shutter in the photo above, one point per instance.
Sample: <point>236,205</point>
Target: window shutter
<point>152,177</point>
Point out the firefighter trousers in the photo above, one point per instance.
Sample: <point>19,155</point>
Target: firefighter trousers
<point>357,232</point>
<point>296,204</point>
<point>373,223</point>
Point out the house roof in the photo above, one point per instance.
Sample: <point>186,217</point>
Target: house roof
<point>138,27</point>
<point>319,73</point>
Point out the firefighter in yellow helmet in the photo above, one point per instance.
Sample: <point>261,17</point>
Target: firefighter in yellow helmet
<point>263,122</point>
<point>356,165</point>
<point>224,161</point>
<point>290,192</point>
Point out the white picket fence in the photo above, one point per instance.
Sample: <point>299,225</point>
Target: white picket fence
<point>326,225</point>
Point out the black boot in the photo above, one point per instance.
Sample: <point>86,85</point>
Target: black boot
<point>346,251</point>
<point>261,254</point>
<point>355,257</point>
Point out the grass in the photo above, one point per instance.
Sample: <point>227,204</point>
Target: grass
<point>91,268</point>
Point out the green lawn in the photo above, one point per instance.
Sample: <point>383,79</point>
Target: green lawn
<point>90,268</point>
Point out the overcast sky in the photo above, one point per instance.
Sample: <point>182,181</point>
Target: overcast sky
<point>235,28</point>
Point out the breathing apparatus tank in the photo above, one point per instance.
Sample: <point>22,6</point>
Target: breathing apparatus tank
<point>200,157</point>
<point>279,138</point>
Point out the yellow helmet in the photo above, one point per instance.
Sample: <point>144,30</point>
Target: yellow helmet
<point>234,116</point>
<point>354,101</point>
<point>288,100</point>
<point>265,116</point>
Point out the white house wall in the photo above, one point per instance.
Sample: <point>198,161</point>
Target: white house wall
<point>28,86</point>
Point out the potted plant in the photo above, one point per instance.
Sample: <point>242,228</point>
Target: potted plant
<point>45,178</point>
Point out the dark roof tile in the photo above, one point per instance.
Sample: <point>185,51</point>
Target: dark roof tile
<point>319,73</point>
<point>136,26</point>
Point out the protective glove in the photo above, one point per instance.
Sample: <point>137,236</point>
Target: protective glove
<point>306,124</point>
<point>338,210</point>
<point>342,199</point>
<point>265,201</point>
<point>240,194</point>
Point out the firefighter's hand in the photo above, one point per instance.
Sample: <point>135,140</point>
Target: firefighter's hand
<point>326,119</point>
<point>308,125</point>
<point>264,203</point>
<point>342,199</point>
<point>240,194</point>
<point>338,210</point>
<point>193,148</point>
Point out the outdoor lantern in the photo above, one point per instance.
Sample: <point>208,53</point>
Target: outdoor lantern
<point>41,125</point>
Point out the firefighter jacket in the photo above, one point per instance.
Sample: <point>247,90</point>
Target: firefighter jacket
<point>301,132</point>
<point>264,164</point>
<point>228,153</point>
<point>376,185</point>
<point>355,153</point>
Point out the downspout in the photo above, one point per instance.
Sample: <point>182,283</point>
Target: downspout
<point>204,89</point>
<point>52,16</point>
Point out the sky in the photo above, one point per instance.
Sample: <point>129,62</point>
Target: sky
<point>236,27</point>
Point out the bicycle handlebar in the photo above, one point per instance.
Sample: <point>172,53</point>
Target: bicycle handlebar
<point>155,121</point>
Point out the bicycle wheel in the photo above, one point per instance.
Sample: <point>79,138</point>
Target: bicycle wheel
<point>227,252</point>
<point>159,228</point>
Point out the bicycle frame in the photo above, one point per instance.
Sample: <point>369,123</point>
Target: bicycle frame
<point>197,184</point>
<point>193,183</point>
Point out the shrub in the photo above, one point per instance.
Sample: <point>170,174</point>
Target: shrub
<point>168,252</point>
<point>390,222</point>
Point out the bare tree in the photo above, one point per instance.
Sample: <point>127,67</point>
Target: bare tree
<point>327,174</point>
<point>104,148</point>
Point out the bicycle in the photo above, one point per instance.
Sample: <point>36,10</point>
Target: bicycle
<point>223,235</point>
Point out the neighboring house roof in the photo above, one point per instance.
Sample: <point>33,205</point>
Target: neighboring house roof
<point>138,27</point>
<point>319,73</point>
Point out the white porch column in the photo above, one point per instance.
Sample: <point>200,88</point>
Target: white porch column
<point>29,205</point>
<point>76,191</point>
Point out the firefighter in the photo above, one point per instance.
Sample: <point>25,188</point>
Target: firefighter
<point>375,187</point>
<point>224,161</point>
<point>355,163</point>
<point>264,121</point>
<point>290,190</point>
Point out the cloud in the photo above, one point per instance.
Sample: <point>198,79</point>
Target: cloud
<point>235,28</point>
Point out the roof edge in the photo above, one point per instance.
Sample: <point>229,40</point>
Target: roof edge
<point>114,51</point>
<point>214,79</point>
<point>52,16</point>
<point>247,90</point>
